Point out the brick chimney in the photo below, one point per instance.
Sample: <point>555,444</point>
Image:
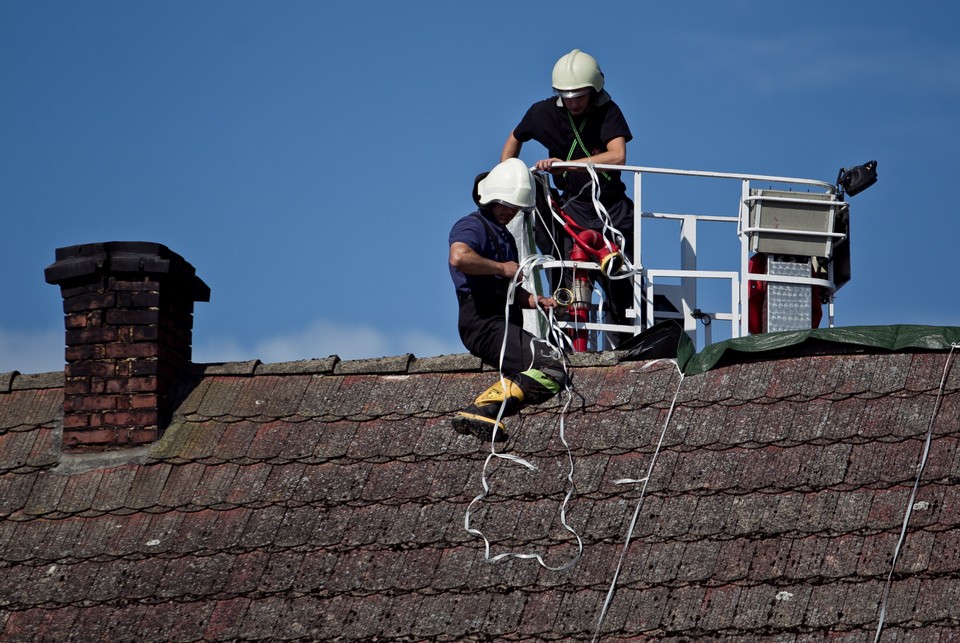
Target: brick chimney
<point>128,310</point>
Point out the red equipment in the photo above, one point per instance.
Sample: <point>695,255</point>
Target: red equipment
<point>586,244</point>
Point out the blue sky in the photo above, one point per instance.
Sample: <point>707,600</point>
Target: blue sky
<point>308,158</point>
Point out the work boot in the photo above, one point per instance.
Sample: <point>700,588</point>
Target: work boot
<point>480,418</point>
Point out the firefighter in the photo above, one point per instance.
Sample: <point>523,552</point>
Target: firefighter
<point>483,262</point>
<point>581,123</point>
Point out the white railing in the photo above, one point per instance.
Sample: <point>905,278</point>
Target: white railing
<point>682,285</point>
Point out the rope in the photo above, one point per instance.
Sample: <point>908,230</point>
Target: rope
<point>528,264</point>
<point>643,490</point>
<point>913,494</point>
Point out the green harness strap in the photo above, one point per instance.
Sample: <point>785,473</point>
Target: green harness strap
<point>543,380</point>
<point>578,140</point>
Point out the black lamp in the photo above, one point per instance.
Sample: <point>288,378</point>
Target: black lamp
<point>856,179</point>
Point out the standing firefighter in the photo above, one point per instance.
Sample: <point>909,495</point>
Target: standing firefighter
<point>581,123</point>
<point>483,262</point>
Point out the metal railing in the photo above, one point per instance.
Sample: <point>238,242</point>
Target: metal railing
<point>659,289</point>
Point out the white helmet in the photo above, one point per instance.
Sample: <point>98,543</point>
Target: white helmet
<point>575,73</point>
<point>509,183</point>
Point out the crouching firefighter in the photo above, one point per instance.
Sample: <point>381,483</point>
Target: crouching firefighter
<point>483,262</point>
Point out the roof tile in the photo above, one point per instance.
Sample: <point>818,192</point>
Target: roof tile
<point>283,481</point>
<point>789,606</point>
<point>861,602</point>
<point>225,619</point>
<point>269,396</point>
<point>853,508</point>
<point>264,617</point>
<point>733,559</point>
<point>711,515</point>
<point>402,616</point>
<point>13,488</point>
<point>823,468</point>
<point>314,569</point>
<point>683,608</point>
<point>434,616</point>
<point>646,608</point>
<point>181,485</point>
<point>261,528</point>
<point>95,620</point>
<point>18,445</point>
<point>699,561</point>
<point>945,552</point>
<point>320,397</point>
<point>206,576</point>
<point>540,613</point>
<point>45,495</point>
<point>843,419</point>
<point>805,558</point>
<point>753,604</point>
<point>817,511</point>
<point>718,607</point>
<point>214,487</point>
<point>789,377</point>
<point>365,620</point>
<point>59,539</point>
<point>926,370</point>
<point>247,570</point>
<point>941,596</point>
<point>281,571</point>
<point>893,376</point>
<point>269,440</point>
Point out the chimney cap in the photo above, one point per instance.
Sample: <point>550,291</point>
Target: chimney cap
<point>137,257</point>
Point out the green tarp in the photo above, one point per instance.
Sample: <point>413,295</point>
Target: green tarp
<point>817,340</point>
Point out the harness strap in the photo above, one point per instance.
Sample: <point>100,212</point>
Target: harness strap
<point>577,139</point>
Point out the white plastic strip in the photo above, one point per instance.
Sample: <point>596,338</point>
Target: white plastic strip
<point>528,264</point>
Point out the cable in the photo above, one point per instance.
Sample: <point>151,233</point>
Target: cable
<point>643,490</point>
<point>913,494</point>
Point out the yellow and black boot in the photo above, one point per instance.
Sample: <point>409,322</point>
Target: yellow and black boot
<point>480,418</point>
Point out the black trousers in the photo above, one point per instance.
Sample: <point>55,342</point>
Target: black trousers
<point>482,324</point>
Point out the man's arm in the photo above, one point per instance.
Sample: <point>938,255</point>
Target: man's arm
<point>511,149</point>
<point>615,154</point>
<point>470,262</point>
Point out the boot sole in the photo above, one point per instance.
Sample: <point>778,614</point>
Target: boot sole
<point>479,427</point>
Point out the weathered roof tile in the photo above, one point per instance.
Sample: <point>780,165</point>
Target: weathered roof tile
<point>325,499</point>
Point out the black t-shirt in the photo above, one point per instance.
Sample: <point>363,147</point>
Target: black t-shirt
<point>549,124</point>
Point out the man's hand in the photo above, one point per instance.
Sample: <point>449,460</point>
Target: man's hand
<point>542,302</point>
<point>509,268</point>
<point>546,165</point>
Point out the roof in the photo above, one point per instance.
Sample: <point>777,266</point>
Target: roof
<point>327,499</point>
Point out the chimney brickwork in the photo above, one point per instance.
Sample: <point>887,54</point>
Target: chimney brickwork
<point>128,315</point>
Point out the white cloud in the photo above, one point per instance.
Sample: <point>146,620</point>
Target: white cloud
<point>824,59</point>
<point>43,351</point>
<point>31,352</point>
<point>322,339</point>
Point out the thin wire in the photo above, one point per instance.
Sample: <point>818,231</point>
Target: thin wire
<point>643,490</point>
<point>913,494</point>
